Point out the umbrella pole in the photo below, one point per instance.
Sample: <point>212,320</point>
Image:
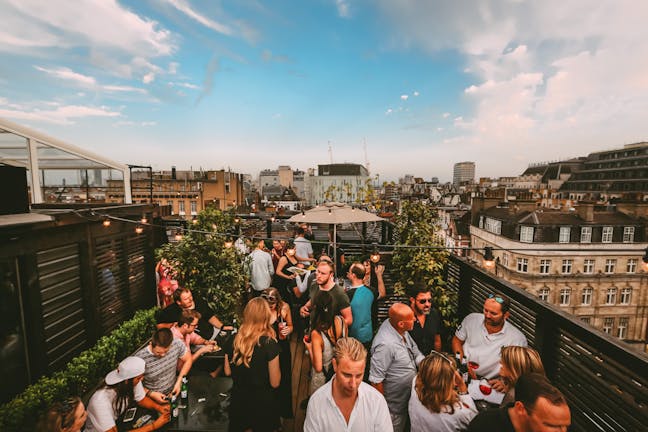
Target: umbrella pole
<point>335,248</point>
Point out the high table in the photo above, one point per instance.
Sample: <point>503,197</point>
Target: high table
<point>206,407</point>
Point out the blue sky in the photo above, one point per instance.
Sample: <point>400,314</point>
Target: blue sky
<point>254,84</point>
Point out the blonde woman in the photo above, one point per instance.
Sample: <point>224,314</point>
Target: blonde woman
<point>255,371</point>
<point>516,361</point>
<point>283,326</point>
<point>439,401</point>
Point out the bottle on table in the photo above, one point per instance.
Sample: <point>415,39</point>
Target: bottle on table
<point>184,390</point>
<point>174,406</point>
<point>464,370</point>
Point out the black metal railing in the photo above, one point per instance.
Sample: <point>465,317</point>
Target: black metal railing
<point>605,382</point>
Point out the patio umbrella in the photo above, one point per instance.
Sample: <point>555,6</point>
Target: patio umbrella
<point>335,213</point>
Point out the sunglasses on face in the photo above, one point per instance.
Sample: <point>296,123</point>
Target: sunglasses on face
<point>424,301</point>
<point>269,298</point>
<point>438,354</point>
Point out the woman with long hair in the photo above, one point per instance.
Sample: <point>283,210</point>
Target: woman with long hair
<point>121,389</point>
<point>283,279</point>
<point>439,401</point>
<point>255,371</point>
<point>327,329</point>
<point>283,327</point>
<point>516,361</point>
<point>68,415</point>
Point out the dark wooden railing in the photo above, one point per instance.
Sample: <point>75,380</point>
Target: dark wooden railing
<point>605,382</point>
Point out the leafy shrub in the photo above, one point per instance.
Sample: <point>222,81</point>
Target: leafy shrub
<point>81,374</point>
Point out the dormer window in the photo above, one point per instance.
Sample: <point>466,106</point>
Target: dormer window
<point>526,234</point>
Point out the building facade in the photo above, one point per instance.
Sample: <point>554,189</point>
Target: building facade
<point>345,182</point>
<point>187,192</point>
<point>464,172</point>
<point>588,261</point>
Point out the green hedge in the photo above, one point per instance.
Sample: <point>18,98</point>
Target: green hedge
<point>81,374</point>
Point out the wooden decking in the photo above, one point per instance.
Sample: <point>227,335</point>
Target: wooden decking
<point>300,381</point>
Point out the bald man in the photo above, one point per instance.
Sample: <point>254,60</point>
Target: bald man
<point>394,359</point>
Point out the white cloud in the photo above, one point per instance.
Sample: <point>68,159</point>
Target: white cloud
<point>122,88</point>
<point>404,97</point>
<point>544,74</point>
<point>343,8</point>
<point>64,115</point>
<point>183,84</point>
<point>389,111</point>
<point>184,7</point>
<point>445,115</point>
<point>415,94</point>
<point>148,78</point>
<point>68,74</point>
<point>173,68</point>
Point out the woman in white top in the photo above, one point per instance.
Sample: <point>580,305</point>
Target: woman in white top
<point>123,388</point>
<point>439,401</point>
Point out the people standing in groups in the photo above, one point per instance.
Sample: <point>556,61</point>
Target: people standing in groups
<point>346,403</point>
<point>362,299</point>
<point>68,415</point>
<point>515,361</point>
<point>183,330</point>
<point>439,401</point>
<point>538,407</point>
<point>255,371</point>
<point>303,247</point>
<point>326,283</point>
<point>121,389</point>
<point>260,267</point>
<point>284,279</point>
<point>394,361</point>
<point>327,328</point>
<point>278,250</point>
<point>481,336</point>
<point>426,331</point>
<point>283,327</point>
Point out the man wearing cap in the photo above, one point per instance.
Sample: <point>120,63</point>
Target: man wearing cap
<point>161,356</point>
<point>480,337</point>
<point>122,387</point>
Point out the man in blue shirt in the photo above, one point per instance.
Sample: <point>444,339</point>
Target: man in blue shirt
<point>361,300</point>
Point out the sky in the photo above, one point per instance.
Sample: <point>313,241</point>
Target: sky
<point>411,87</point>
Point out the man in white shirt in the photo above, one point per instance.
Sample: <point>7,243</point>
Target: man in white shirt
<point>346,403</point>
<point>480,337</point>
<point>303,248</point>
<point>261,268</point>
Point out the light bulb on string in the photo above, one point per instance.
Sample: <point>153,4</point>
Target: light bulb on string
<point>106,222</point>
<point>139,229</point>
<point>144,219</point>
<point>375,255</point>
<point>228,242</point>
<point>178,235</point>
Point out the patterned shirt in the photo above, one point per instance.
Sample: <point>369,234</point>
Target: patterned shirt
<point>160,372</point>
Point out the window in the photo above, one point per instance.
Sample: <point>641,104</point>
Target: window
<point>610,264</point>
<point>608,324</point>
<point>588,266</point>
<point>622,328</point>
<point>481,222</point>
<point>170,204</point>
<point>505,259</point>
<point>565,296</point>
<point>626,296</point>
<point>181,207</point>
<point>194,207</point>
<point>565,233</point>
<point>586,235</point>
<point>606,237</point>
<point>586,319</point>
<point>543,294</point>
<point>545,266</point>
<point>632,265</point>
<point>526,234</point>
<point>493,225</point>
<point>610,296</point>
<point>628,234</point>
<point>567,266</point>
<point>522,265</point>
<point>586,299</point>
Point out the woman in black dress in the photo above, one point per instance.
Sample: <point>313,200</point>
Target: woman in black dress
<point>283,326</point>
<point>255,371</point>
<point>283,279</point>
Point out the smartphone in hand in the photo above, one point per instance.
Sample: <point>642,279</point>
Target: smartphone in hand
<point>130,414</point>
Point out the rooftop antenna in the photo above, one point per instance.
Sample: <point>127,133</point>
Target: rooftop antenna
<point>330,151</point>
<point>364,146</point>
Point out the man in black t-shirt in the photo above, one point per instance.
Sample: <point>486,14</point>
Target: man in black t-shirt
<point>427,325</point>
<point>208,326</point>
<point>538,407</point>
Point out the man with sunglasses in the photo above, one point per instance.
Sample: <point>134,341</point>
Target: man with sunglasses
<point>427,322</point>
<point>480,337</point>
<point>184,330</point>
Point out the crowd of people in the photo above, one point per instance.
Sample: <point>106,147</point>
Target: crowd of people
<point>364,376</point>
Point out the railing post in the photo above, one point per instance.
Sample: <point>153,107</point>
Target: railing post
<point>547,337</point>
<point>465,289</point>
<point>383,232</point>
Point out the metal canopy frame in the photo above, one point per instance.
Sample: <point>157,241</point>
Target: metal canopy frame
<point>43,152</point>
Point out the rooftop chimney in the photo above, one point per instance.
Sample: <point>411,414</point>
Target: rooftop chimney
<point>586,211</point>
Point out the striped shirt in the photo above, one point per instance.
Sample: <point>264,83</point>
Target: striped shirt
<point>160,372</point>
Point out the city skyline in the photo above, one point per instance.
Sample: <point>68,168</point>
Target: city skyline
<point>250,86</point>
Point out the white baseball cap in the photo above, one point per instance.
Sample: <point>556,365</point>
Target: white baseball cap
<point>130,367</point>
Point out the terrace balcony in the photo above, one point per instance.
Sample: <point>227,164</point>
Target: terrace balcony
<point>57,268</point>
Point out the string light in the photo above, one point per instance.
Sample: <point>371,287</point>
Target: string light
<point>144,220</point>
<point>237,219</point>
<point>194,220</point>
<point>139,229</point>
<point>106,222</point>
<point>375,255</point>
<point>228,243</point>
<point>178,235</point>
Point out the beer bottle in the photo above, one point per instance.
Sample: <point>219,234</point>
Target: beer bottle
<point>184,391</point>
<point>174,406</point>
